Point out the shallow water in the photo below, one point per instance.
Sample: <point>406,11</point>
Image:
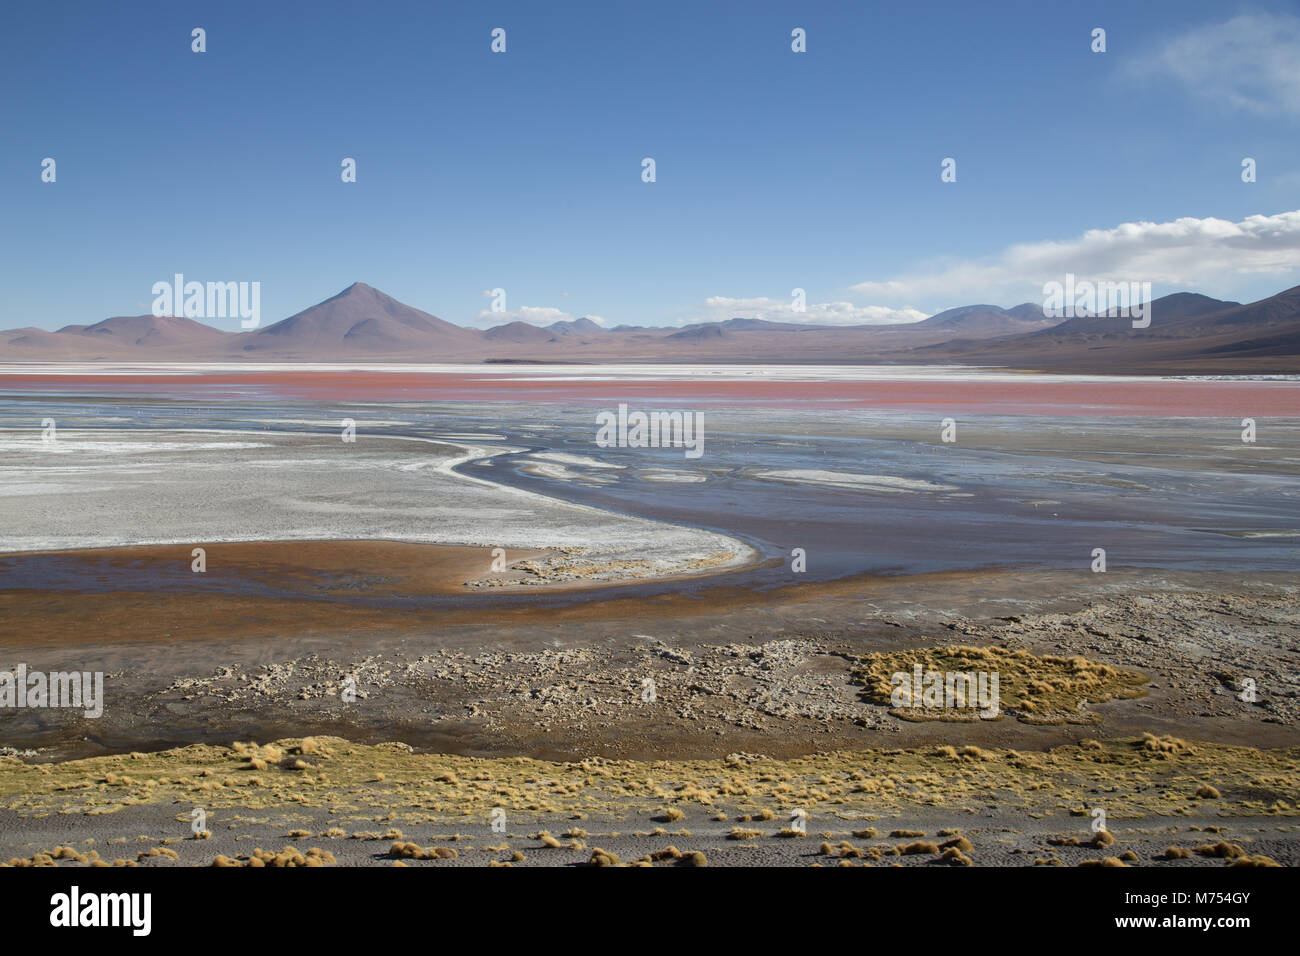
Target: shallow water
<point>1169,494</point>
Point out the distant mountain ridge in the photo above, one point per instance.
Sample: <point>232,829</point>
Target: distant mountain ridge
<point>1190,334</point>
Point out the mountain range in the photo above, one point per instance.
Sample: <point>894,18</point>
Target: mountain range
<point>1189,334</point>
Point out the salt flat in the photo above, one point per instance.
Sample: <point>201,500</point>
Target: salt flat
<point>624,372</point>
<point>98,489</point>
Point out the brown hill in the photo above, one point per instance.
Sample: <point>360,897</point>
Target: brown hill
<point>360,322</point>
<point>150,331</point>
<point>988,320</point>
<point>519,332</point>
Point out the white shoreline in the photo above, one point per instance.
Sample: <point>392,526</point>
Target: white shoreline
<point>636,372</point>
<point>639,549</point>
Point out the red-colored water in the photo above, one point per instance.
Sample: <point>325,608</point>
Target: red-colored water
<point>1101,397</point>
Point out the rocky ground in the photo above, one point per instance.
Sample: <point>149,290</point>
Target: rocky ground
<point>747,731</point>
<point>1199,653</point>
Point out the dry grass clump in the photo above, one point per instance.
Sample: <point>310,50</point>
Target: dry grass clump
<point>52,857</point>
<point>1164,746</point>
<point>906,834</point>
<point>413,851</point>
<point>288,857</point>
<point>1034,689</point>
<point>158,851</point>
<point>1254,860</point>
<point>259,758</point>
<point>311,745</point>
<point>601,857</point>
<point>847,851</point>
<point>958,843</point>
<point>955,857</point>
<point>1105,861</point>
<point>667,854</point>
<point>740,833</point>
<point>1174,853</point>
<point>917,847</point>
<point>1222,849</point>
<point>790,833</point>
<point>1099,839</point>
<point>670,815</point>
<point>868,834</point>
<point>1207,792</point>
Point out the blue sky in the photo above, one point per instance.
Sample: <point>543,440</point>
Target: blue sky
<point>522,170</point>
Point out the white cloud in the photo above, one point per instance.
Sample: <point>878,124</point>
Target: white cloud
<point>719,308</point>
<point>1184,253</point>
<point>1251,62</point>
<point>534,315</point>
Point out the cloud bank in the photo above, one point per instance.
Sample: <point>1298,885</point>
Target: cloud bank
<point>1186,253</point>
<point>719,308</point>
